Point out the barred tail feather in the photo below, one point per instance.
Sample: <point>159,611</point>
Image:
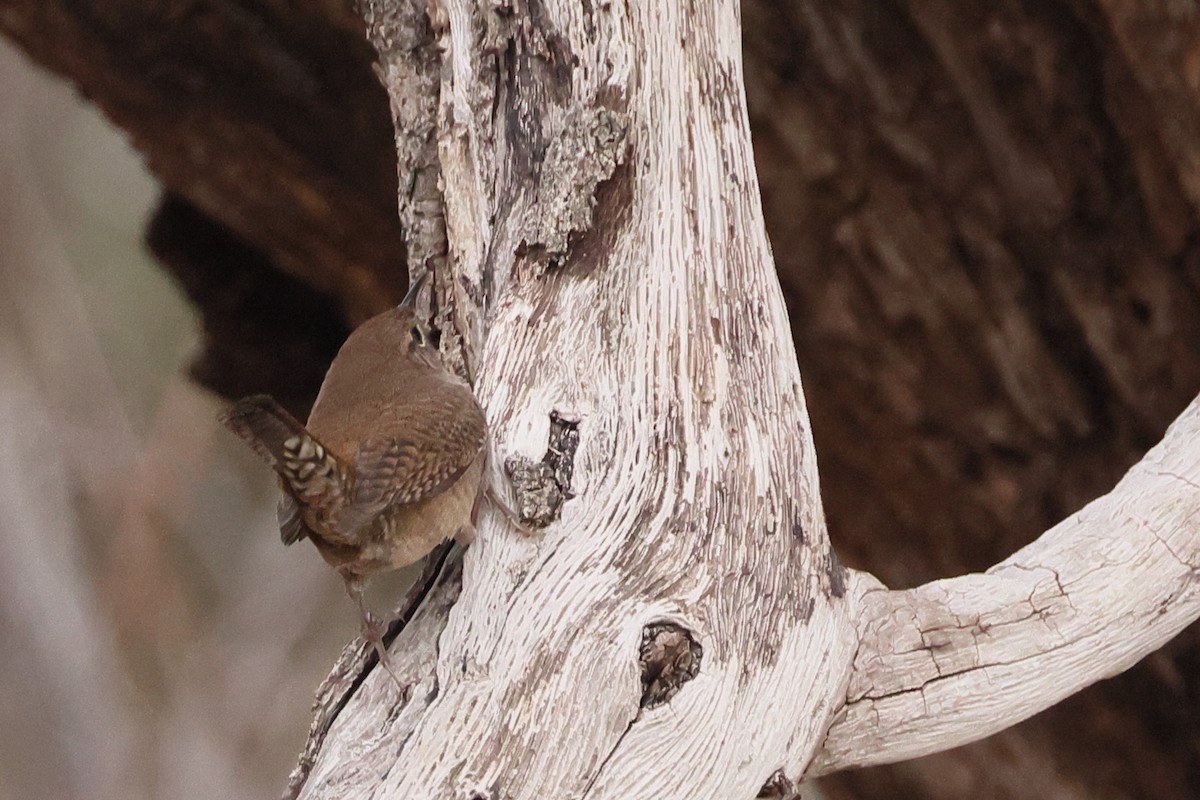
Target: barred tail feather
<point>309,471</point>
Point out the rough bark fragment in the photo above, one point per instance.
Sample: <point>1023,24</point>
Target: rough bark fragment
<point>670,657</point>
<point>584,152</point>
<point>779,787</point>
<point>409,65</point>
<point>543,486</point>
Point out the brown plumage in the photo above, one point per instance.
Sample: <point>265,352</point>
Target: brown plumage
<point>389,464</point>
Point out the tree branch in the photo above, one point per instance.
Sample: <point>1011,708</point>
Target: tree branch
<point>921,285</point>
<point>959,659</point>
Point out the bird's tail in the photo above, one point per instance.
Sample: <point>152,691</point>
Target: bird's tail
<point>311,474</point>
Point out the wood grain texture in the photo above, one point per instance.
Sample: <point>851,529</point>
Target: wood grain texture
<point>665,345</point>
<point>961,658</point>
<point>682,422</point>
<point>984,349</point>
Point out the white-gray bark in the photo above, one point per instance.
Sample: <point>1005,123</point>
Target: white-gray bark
<point>958,659</point>
<point>681,627</point>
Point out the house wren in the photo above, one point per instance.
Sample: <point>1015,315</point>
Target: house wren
<point>390,462</point>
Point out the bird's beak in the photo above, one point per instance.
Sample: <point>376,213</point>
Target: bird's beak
<point>414,289</point>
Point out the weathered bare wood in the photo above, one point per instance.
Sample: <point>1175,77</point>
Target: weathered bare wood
<point>973,375</point>
<point>660,330</point>
<point>959,659</point>
<point>688,409</point>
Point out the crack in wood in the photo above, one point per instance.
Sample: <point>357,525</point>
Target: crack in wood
<point>669,657</point>
<point>587,790</point>
<point>352,668</point>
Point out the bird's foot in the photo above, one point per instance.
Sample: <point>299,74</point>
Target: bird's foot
<point>373,630</point>
<point>513,518</point>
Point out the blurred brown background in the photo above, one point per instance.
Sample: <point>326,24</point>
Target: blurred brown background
<point>984,216</point>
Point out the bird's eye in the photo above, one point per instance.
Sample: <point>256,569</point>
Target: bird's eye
<point>416,336</point>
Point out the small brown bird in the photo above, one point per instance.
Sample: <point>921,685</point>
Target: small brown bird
<point>390,463</point>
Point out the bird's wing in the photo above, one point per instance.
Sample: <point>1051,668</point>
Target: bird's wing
<point>422,455</point>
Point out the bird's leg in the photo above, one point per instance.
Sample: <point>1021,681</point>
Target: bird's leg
<point>373,630</point>
<point>489,493</point>
<point>465,535</point>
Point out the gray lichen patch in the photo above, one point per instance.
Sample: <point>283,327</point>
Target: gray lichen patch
<point>542,487</point>
<point>669,657</point>
<point>587,147</point>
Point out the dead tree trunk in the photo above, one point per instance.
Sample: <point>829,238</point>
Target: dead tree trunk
<point>681,628</point>
<point>984,217</point>
<point>608,266</point>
